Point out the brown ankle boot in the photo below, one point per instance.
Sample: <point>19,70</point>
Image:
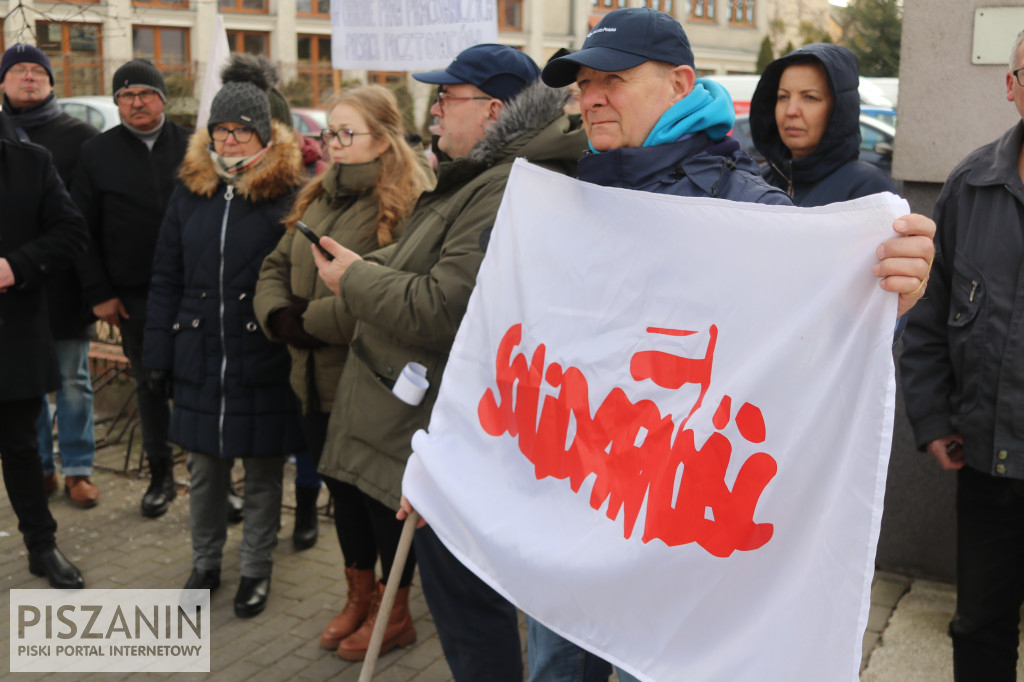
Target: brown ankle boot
<point>361,589</point>
<point>399,632</point>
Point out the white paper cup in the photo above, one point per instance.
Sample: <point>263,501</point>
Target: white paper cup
<point>416,368</point>
<point>410,387</point>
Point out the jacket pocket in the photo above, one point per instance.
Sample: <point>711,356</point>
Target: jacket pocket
<point>264,363</point>
<point>189,351</point>
<point>378,417</point>
<point>966,325</point>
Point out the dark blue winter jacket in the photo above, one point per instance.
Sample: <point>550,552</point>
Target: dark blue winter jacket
<point>831,172</point>
<point>694,167</point>
<point>232,397</point>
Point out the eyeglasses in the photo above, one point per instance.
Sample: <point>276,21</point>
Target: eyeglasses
<point>443,96</point>
<point>345,136</point>
<point>144,96</point>
<point>1016,74</point>
<point>20,71</point>
<point>241,135</point>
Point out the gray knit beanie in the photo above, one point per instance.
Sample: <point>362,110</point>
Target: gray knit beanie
<point>244,103</point>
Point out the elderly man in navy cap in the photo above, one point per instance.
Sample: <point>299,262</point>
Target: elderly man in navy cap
<point>654,126</point>
<point>492,109</point>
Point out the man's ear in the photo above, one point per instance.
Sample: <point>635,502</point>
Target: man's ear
<point>1009,86</point>
<point>494,108</point>
<point>683,80</point>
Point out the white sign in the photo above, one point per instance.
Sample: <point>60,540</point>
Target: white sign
<point>664,427</point>
<point>110,631</point>
<point>408,35</point>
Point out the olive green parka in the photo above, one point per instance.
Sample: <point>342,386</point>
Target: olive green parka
<point>409,308</point>
<point>347,212</point>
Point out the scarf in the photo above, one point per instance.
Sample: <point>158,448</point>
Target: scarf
<point>707,109</point>
<point>33,117</point>
<point>230,167</point>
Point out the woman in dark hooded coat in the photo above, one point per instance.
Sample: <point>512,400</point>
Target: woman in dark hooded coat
<point>805,119</point>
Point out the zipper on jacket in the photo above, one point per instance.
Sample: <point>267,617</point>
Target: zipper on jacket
<point>228,196</point>
<point>974,287</point>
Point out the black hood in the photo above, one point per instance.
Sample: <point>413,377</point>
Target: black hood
<point>839,144</point>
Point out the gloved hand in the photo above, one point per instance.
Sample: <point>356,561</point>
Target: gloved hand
<point>159,381</point>
<point>286,324</point>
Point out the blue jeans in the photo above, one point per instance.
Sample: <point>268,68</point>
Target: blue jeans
<point>75,432</point>
<point>552,658</point>
<point>305,471</point>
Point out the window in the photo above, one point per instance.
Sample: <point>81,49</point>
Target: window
<point>510,15</point>
<point>76,55</point>
<point>605,6</point>
<point>313,8</point>
<point>386,77</point>
<point>243,6</point>
<point>702,10</point>
<point>660,5</point>
<point>167,48</point>
<point>741,12</point>
<point>253,42</point>
<point>164,4</point>
<point>314,67</point>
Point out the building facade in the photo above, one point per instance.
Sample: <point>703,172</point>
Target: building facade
<point>87,40</point>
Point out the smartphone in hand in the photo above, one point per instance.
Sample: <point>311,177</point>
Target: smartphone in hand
<point>311,236</point>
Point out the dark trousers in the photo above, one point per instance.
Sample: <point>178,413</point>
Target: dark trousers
<point>23,472</point>
<point>990,577</point>
<point>479,629</point>
<point>365,527</point>
<point>154,410</point>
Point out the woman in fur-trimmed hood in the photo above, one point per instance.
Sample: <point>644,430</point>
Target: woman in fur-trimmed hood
<point>230,383</point>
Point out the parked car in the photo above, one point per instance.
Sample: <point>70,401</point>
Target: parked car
<point>886,115</point>
<point>876,141</point>
<point>99,110</point>
<point>741,89</point>
<point>309,122</point>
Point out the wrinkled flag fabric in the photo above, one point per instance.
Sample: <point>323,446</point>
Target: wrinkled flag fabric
<point>665,424</point>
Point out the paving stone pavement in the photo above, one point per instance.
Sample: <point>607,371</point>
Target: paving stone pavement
<point>115,547</point>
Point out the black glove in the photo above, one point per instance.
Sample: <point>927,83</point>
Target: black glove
<point>286,324</point>
<point>159,382</point>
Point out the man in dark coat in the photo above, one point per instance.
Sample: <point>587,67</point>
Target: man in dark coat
<point>655,127</point>
<point>41,232</point>
<point>26,79</point>
<point>963,384</point>
<point>122,184</point>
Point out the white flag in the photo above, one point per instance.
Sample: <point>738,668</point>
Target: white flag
<point>220,53</point>
<point>665,426</point>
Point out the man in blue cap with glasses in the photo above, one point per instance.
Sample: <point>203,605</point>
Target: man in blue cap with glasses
<point>654,126</point>
<point>492,108</point>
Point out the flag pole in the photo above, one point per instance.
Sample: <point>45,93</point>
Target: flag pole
<point>388,598</point>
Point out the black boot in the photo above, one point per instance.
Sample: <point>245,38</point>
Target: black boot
<point>306,530</point>
<point>161,489</point>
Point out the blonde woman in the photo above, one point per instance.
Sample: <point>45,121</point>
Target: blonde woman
<point>372,184</point>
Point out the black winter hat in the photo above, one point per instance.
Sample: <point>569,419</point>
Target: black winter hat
<point>139,73</point>
<point>23,52</point>
<point>244,103</point>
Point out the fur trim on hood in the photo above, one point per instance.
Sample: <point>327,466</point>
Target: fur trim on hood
<point>277,174</point>
<point>535,106</point>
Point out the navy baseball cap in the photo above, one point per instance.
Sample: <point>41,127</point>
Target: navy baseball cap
<point>623,39</point>
<point>499,70</point>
